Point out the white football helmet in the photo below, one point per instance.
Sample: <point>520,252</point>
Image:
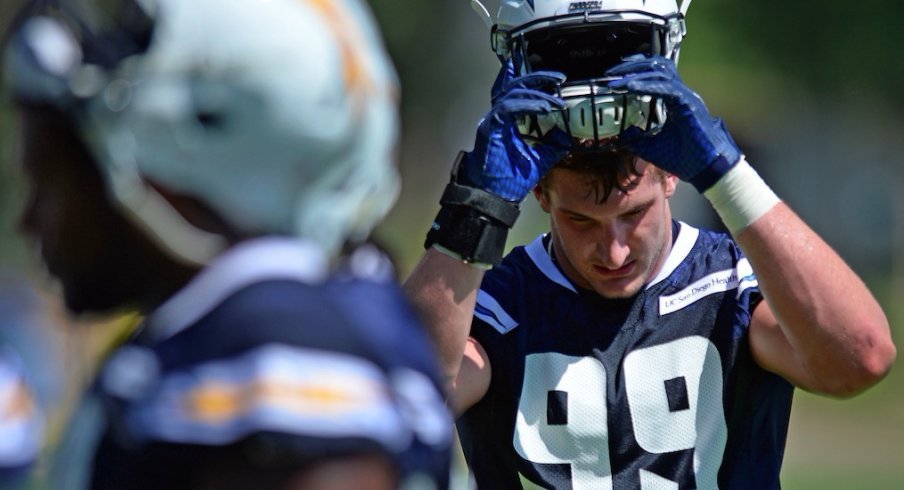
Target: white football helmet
<point>280,115</point>
<point>582,39</point>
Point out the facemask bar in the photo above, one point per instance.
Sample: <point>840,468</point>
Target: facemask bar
<point>594,115</point>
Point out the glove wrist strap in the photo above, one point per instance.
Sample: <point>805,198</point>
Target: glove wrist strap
<point>472,224</point>
<point>741,197</point>
<point>712,173</point>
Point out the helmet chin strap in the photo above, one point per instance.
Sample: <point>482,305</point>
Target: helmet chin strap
<point>162,223</point>
<point>484,14</point>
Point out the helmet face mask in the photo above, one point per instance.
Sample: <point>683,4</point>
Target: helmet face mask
<point>594,115</point>
<point>582,40</point>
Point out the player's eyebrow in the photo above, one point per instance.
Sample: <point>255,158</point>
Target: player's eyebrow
<point>639,207</point>
<point>574,213</point>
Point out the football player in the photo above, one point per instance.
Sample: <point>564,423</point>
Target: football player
<point>624,348</point>
<point>205,161</point>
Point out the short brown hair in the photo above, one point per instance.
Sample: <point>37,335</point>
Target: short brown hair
<point>605,170</point>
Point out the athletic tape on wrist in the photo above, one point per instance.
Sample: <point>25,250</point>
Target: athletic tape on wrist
<point>741,197</point>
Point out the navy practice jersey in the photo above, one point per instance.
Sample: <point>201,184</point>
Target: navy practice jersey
<point>263,364</point>
<point>658,391</point>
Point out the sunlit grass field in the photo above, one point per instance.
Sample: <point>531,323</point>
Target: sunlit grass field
<point>851,444</point>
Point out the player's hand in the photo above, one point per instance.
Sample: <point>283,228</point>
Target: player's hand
<point>502,163</point>
<point>691,144</point>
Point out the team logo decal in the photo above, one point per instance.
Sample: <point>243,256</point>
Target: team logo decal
<point>587,5</point>
<point>740,278</point>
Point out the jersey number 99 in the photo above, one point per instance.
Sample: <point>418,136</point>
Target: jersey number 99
<point>674,394</point>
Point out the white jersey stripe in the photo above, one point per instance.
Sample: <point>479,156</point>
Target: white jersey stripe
<point>687,237</point>
<point>489,310</point>
<point>538,254</point>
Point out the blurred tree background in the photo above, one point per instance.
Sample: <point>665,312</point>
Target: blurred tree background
<point>812,92</point>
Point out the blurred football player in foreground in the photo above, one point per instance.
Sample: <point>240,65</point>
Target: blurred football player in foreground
<point>625,349</point>
<point>205,161</point>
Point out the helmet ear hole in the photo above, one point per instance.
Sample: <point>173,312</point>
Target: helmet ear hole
<point>210,120</point>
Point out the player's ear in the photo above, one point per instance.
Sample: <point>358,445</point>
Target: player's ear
<point>669,183</point>
<point>542,197</point>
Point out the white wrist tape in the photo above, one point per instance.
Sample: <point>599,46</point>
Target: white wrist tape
<point>741,197</point>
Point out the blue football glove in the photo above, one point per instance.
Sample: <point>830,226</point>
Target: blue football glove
<point>691,144</point>
<point>502,163</point>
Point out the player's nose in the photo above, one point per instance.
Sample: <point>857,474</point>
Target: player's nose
<point>612,248</point>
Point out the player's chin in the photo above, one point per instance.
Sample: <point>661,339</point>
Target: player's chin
<point>618,288</point>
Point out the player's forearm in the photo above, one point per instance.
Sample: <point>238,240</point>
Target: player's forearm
<point>836,327</point>
<point>444,291</point>
<point>827,320</point>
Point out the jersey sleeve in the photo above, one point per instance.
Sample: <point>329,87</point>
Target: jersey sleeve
<point>748,295</point>
<point>499,305</point>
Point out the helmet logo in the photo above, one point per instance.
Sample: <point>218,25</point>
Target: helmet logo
<point>581,6</point>
<point>354,66</point>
